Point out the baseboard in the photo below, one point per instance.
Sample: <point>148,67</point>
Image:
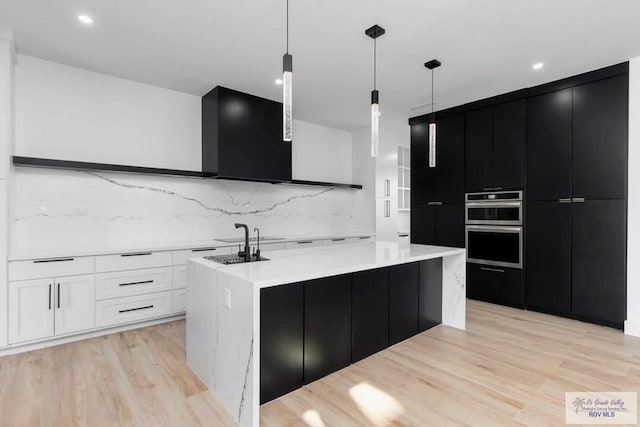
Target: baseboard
<point>632,328</point>
<point>22,348</point>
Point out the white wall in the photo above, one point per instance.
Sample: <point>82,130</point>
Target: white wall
<point>6,146</point>
<point>67,113</point>
<point>632,325</point>
<point>320,153</point>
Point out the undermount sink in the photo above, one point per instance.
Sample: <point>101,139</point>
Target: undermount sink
<point>251,239</point>
<point>233,259</point>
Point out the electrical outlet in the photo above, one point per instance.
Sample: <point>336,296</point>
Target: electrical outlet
<point>227,298</point>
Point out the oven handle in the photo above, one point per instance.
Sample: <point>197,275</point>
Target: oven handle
<point>496,204</point>
<point>499,229</point>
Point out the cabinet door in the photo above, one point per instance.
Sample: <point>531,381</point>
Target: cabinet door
<point>430,294</point>
<point>423,224</point>
<point>548,257</point>
<point>600,126</point>
<point>327,326</point>
<point>30,310</point>
<point>599,261</point>
<point>495,284</point>
<point>450,159</point>
<point>403,301</point>
<point>478,147</point>
<point>549,136</point>
<point>449,228</point>
<point>370,313</point>
<point>424,186</point>
<point>281,340</point>
<point>508,145</point>
<point>74,304</point>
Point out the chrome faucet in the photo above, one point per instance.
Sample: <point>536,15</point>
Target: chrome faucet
<point>247,252</point>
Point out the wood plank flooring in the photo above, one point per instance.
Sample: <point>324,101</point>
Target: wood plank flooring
<point>509,368</point>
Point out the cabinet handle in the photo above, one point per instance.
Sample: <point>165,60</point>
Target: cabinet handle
<point>304,242</point>
<point>578,200</point>
<point>58,295</point>
<point>39,261</point>
<point>49,296</point>
<point>364,237</point>
<point>438,203</point>
<point>337,240</point>
<point>387,187</point>
<point>493,270</point>
<point>387,208</point>
<point>565,200</point>
<point>135,309</point>
<point>203,249</point>
<point>136,283</point>
<point>137,254</point>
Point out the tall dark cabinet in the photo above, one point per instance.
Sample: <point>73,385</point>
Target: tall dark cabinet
<point>576,201</point>
<point>494,144</point>
<point>438,193</point>
<point>370,313</point>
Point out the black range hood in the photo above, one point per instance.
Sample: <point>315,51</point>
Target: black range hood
<point>242,137</point>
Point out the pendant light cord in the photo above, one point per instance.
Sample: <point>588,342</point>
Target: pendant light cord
<point>433,114</point>
<point>375,65</point>
<point>287,26</point>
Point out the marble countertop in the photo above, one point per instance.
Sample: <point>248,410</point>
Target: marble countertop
<point>170,246</point>
<point>295,265</point>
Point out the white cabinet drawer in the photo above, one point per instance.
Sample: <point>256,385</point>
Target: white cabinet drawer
<point>132,309</point>
<point>303,244</point>
<point>179,301</point>
<point>132,261</point>
<point>125,283</point>
<point>42,268</point>
<point>180,277</point>
<point>181,257</point>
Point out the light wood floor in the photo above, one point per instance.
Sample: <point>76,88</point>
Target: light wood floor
<point>509,368</point>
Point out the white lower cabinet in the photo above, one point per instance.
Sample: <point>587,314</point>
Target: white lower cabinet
<point>74,309</point>
<point>132,282</point>
<point>179,301</point>
<point>132,309</point>
<point>43,308</point>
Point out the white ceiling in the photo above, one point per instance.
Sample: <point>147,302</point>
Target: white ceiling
<point>487,47</point>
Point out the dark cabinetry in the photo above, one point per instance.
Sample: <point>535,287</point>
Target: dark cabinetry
<point>430,294</point>
<point>281,340</point>
<point>403,301</point>
<point>548,248</point>
<point>495,284</point>
<point>600,126</point>
<point>370,313</point>
<point>494,147</point>
<point>549,135</point>
<point>242,136</point>
<point>327,326</point>
<point>435,223</point>
<point>445,182</point>
<point>576,191</point>
<point>599,261</point>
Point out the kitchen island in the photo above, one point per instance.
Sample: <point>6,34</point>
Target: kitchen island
<point>258,330</point>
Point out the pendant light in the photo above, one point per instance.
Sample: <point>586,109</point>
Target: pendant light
<point>287,81</point>
<point>375,32</point>
<point>434,63</point>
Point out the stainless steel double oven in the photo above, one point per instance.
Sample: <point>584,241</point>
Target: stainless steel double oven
<point>494,228</point>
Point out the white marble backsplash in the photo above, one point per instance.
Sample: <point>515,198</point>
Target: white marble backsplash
<point>64,209</point>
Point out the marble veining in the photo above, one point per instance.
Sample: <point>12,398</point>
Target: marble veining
<point>65,209</point>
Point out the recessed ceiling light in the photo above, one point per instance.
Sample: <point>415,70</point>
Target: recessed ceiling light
<point>278,81</point>
<point>85,19</point>
<point>538,66</point>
